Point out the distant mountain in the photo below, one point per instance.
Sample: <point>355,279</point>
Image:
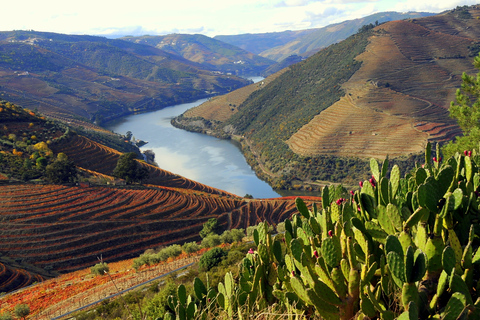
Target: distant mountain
<point>279,45</point>
<point>210,53</point>
<point>382,92</point>
<point>99,78</point>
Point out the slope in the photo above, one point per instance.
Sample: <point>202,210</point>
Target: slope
<point>210,53</point>
<point>96,78</point>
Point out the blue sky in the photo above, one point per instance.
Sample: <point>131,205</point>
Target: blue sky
<point>209,17</point>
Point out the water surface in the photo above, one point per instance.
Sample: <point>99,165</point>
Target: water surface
<point>214,162</point>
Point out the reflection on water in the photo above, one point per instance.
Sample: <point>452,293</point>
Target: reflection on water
<point>214,162</point>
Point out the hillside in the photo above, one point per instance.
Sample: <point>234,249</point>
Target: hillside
<point>280,45</point>
<point>388,94</point>
<point>210,53</point>
<point>48,228</point>
<point>96,78</point>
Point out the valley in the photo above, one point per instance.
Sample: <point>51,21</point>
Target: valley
<point>72,191</point>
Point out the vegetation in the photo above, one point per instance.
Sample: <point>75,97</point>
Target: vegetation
<point>128,168</point>
<point>22,310</point>
<point>466,110</point>
<point>210,227</point>
<point>100,269</point>
<point>375,255</point>
<point>211,258</point>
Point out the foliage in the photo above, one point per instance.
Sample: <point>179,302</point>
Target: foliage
<point>211,241</point>
<point>210,227</point>
<point>61,171</point>
<point>128,168</point>
<point>233,235</point>
<point>191,247</point>
<point>100,269</point>
<point>158,304</point>
<point>22,310</point>
<point>6,316</point>
<point>466,110</point>
<point>403,248</point>
<point>212,258</point>
<point>151,258</point>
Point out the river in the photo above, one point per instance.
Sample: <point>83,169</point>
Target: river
<point>211,161</point>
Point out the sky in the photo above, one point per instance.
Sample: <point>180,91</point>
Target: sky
<point>209,17</point>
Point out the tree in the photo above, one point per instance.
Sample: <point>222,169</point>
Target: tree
<point>128,135</point>
<point>22,310</point>
<point>210,227</point>
<point>61,170</point>
<point>466,111</point>
<point>211,258</point>
<point>128,168</point>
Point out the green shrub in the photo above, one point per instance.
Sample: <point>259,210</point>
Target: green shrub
<point>211,241</point>
<point>211,258</point>
<point>6,316</point>
<point>100,269</point>
<point>22,310</point>
<point>234,235</point>
<point>191,247</point>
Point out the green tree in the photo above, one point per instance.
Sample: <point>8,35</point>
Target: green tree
<point>22,310</point>
<point>60,171</point>
<point>466,110</point>
<point>211,258</point>
<point>210,227</point>
<point>129,169</point>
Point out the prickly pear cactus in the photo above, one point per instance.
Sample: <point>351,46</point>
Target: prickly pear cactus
<point>396,248</point>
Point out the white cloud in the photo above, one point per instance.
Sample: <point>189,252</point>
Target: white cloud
<point>210,17</point>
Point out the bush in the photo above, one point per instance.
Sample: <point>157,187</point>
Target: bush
<point>234,235</point>
<point>210,227</point>
<point>211,258</point>
<point>100,269</point>
<point>22,310</point>
<point>191,247</point>
<point>6,316</point>
<point>211,241</point>
<point>170,251</point>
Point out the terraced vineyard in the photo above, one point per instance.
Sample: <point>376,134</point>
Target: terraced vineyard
<point>65,228</point>
<point>16,278</point>
<point>398,100</point>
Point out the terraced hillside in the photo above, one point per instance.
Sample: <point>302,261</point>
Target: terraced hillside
<point>398,100</point>
<point>65,228</point>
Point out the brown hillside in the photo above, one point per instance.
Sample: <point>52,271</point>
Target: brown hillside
<point>221,108</point>
<point>66,228</point>
<point>399,98</point>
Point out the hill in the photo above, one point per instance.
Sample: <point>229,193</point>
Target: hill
<point>384,91</point>
<point>48,228</point>
<point>280,45</point>
<point>97,78</point>
<point>208,52</point>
